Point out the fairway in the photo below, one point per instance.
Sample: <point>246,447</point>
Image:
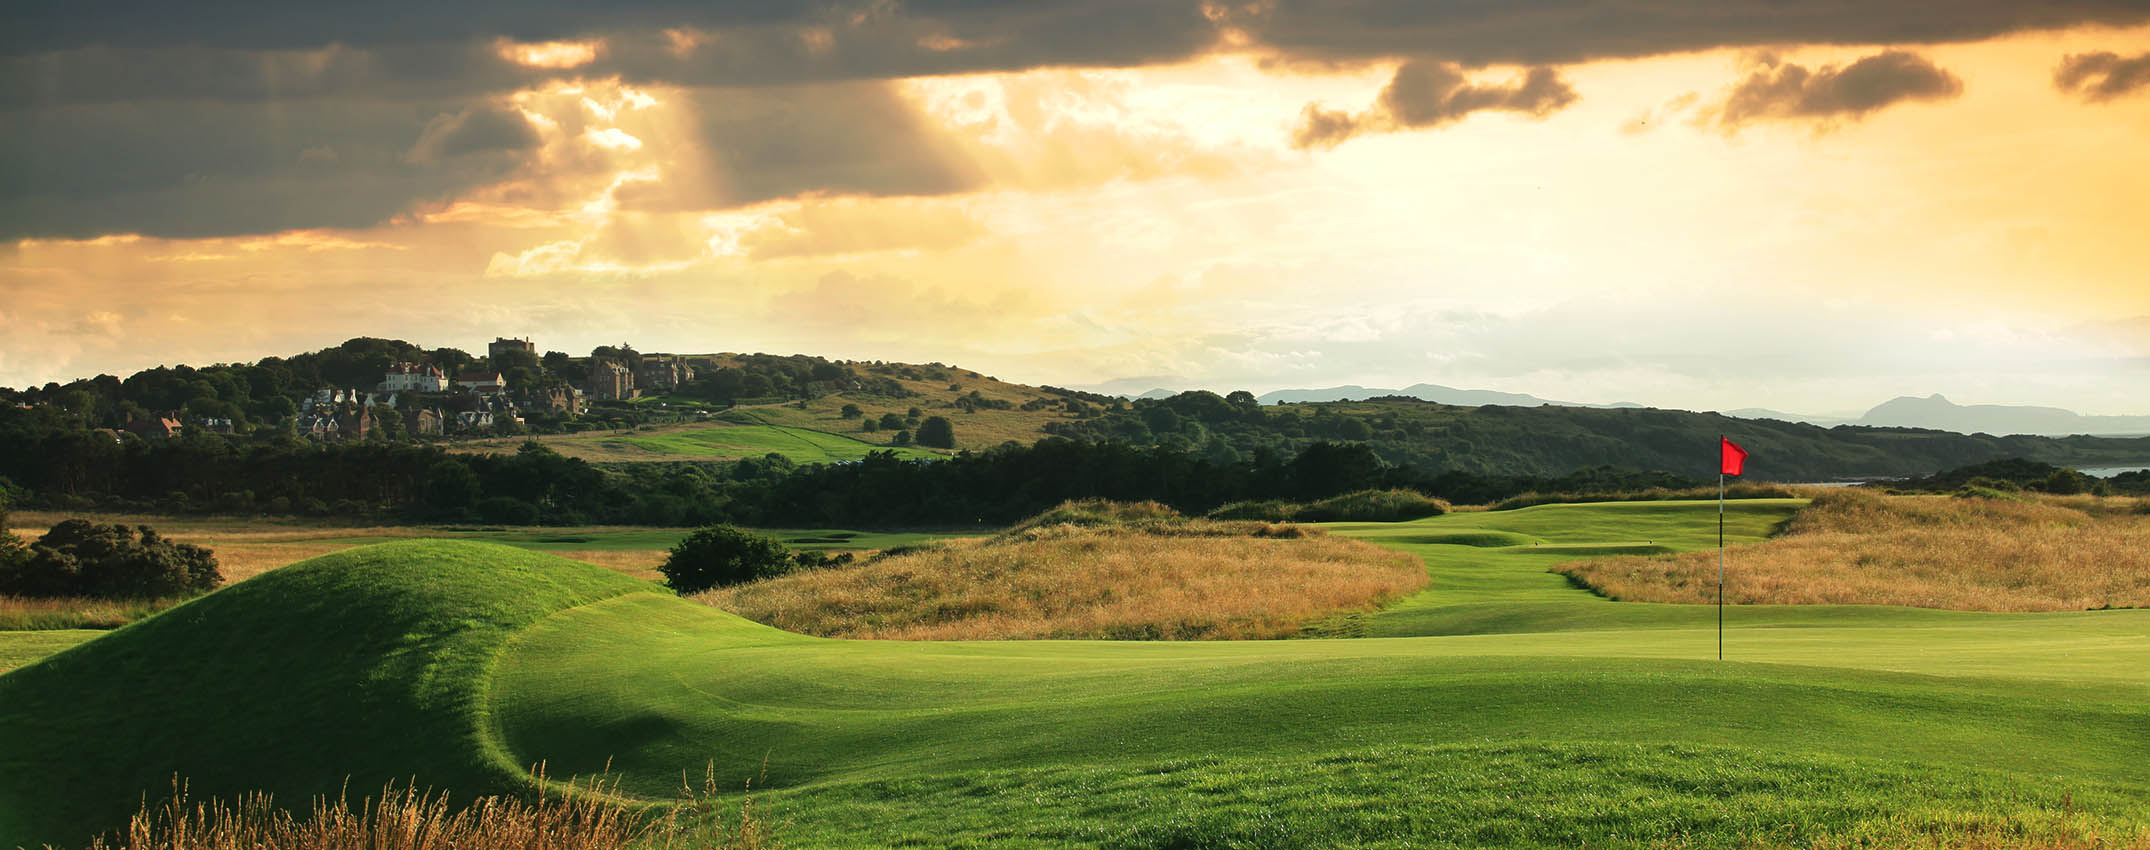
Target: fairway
<point>1501,706</point>
<point>708,443</point>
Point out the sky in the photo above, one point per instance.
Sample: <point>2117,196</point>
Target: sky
<point>1807,206</point>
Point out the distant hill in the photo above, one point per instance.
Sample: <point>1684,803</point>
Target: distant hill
<point>1940,414</point>
<point>1766,413</point>
<point>1424,392</point>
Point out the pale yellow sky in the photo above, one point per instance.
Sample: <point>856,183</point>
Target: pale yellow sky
<point>1156,224</point>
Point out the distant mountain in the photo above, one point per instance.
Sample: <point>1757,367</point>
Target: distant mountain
<point>1941,414</point>
<point>1766,413</point>
<point>1426,392</point>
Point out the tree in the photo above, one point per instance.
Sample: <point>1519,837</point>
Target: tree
<point>851,411</point>
<point>902,438</point>
<point>82,558</point>
<point>721,556</point>
<point>892,422</point>
<point>937,432</point>
<point>451,489</point>
<point>450,360</point>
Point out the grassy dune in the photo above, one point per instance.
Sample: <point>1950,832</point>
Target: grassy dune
<point>1926,551</point>
<point>368,663</point>
<point>1071,582</point>
<point>1527,712</point>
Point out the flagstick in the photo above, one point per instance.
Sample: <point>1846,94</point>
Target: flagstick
<point>1720,564</point>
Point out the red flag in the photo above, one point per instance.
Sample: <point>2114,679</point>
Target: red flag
<point>1735,458</point>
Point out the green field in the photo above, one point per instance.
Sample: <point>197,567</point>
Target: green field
<point>1502,706</point>
<point>799,444</point>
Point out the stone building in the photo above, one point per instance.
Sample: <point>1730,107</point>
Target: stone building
<point>424,422</point>
<point>560,398</point>
<point>665,373</point>
<point>523,344</point>
<point>610,381</point>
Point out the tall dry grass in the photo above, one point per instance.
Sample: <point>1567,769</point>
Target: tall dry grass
<point>1194,580</point>
<point>588,816</point>
<point>21,613</point>
<point>1973,554</point>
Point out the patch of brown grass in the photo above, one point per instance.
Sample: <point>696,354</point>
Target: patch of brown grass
<point>1973,554</point>
<point>638,563</point>
<point>1195,580</point>
<point>22,613</point>
<point>589,816</point>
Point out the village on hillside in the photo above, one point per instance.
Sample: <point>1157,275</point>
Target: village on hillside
<point>510,391</point>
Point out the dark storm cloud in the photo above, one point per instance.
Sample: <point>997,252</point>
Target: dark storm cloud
<point>1535,32</point>
<point>758,144</point>
<point>2102,76</point>
<point>192,170</point>
<point>448,48</point>
<point>1426,94</point>
<point>1783,91</point>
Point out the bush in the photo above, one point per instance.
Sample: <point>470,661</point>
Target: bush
<point>851,411</point>
<point>937,432</point>
<point>82,558</point>
<point>720,556</point>
<point>1373,506</point>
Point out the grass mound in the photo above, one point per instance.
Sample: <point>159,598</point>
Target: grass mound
<point>1094,513</point>
<point>1397,505</point>
<point>1972,554</point>
<point>1183,580</point>
<point>371,663</point>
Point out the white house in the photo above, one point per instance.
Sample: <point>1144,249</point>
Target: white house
<point>411,377</point>
<point>482,383</point>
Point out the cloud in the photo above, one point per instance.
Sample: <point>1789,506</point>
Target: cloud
<point>1559,32</point>
<point>216,169</point>
<point>1428,94</point>
<point>748,145</point>
<point>2102,76</point>
<point>1780,91</point>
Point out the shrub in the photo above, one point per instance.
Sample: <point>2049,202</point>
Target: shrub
<point>1373,506</point>
<point>851,411</point>
<point>82,558</point>
<point>720,556</point>
<point>937,432</point>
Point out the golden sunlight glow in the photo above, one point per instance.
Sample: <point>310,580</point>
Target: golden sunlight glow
<point>550,54</point>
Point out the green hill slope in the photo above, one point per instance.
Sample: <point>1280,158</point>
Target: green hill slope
<point>369,663</point>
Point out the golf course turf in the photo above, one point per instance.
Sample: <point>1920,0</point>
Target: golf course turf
<point>1501,706</point>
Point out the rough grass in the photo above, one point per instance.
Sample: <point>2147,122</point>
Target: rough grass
<point>583,816</point>
<point>20,613</point>
<point>1971,554</point>
<point>1196,580</point>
